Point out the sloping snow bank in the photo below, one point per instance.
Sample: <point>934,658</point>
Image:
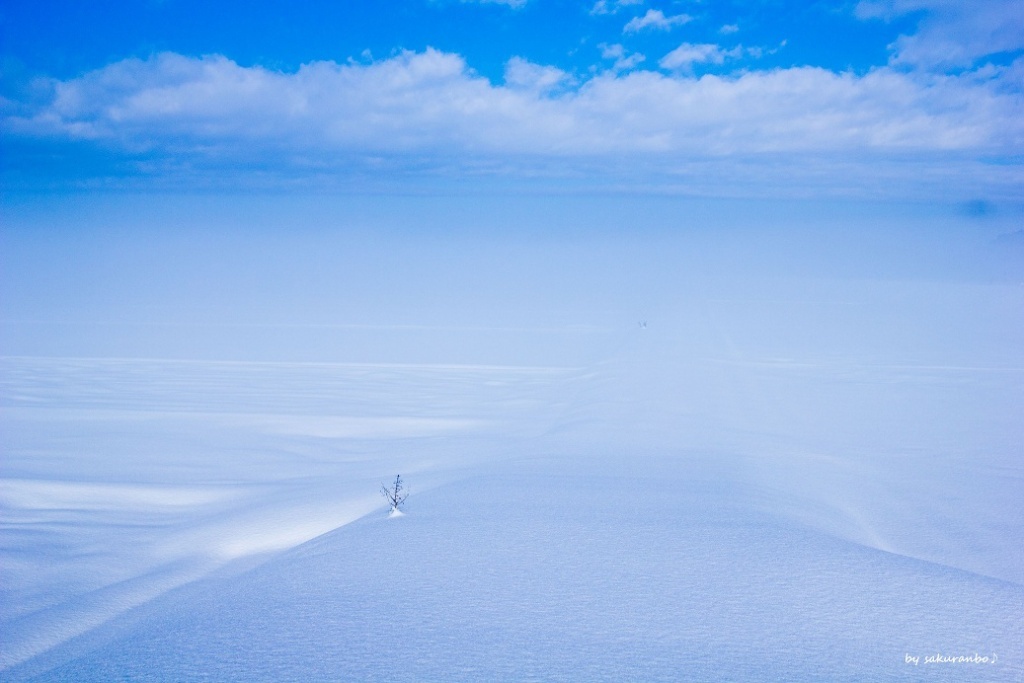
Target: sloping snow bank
<point>651,570</point>
<point>124,478</point>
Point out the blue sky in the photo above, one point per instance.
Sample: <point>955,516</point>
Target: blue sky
<point>74,38</point>
<point>857,99</point>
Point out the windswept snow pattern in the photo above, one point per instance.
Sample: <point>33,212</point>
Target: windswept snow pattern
<point>142,475</point>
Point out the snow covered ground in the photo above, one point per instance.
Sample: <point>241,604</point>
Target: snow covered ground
<point>776,455</point>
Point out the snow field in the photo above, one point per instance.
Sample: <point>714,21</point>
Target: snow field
<point>805,464</point>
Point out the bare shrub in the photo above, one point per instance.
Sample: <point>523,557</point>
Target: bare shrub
<point>395,494</point>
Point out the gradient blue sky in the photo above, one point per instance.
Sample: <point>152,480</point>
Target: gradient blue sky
<point>876,99</point>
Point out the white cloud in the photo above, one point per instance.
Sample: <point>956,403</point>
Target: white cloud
<point>655,19</point>
<point>951,33</point>
<point>755,52</point>
<point>604,7</point>
<point>688,54</point>
<point>511,3</point>
<point>623,61</point>
<point>429,110</point>
<point>729,29</point>
<point>521,73</point>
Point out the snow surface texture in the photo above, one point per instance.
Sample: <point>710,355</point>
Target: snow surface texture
<point>799,477</point>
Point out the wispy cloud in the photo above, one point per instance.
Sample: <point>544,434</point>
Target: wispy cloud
<point>511,3</point>
<point>524,74</point>
<point>688,54</point>
<point>623,60</point>
<point>604,7</point>
<point>656,19</point>
<point>684,57</point>
<point>951,34</point>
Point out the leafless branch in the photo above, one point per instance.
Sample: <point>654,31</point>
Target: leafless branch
<point>394,494</point>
